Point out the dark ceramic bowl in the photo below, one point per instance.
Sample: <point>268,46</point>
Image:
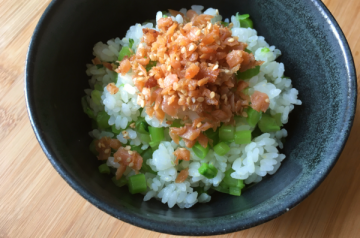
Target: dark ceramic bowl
<point>316,56</point>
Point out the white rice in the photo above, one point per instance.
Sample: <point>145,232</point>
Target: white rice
<point>250,162</point>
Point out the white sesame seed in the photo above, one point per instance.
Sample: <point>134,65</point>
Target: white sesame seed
<point>267,100</point>
<point>168,68</point>
<point>212,95</point>
<point>198,125</point>
<point>192,47</point>
<point>200,99</point>
<point>198,33</point>
<point>193,99</point>
<point>132,125</point>
<point>231,40</point>
<point>140,73</point>
<point>183,50</point>
<point>215,67</point>
<point>131,164</point>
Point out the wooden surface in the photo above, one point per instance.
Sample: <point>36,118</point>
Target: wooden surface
<point>36,202</point>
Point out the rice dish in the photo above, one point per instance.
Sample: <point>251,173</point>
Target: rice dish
<point>188,104</point>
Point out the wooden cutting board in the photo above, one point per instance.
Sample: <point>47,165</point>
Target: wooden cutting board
<point>36,202</point>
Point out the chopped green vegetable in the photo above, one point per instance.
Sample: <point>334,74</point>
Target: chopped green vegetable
<point>114,130</point>
<point>141,126</point>
<point>98,87</point>
<point>147,154</point>
<point>253,117</point>
<point>213,135</point>
<point>131,43</point>
<point>92,148</point>
<point>154,145</point>
<point>176,123</point>
<point>150,65</point>
<point>245,21</point>
<point>243,137</point>
<point>145,138</point>
<point>137,148</point>
<point>102,119</point>
<point>200,151</point>
<point>230,181</point>
<point>164,12</point>
<point>86,108</point>
<point>224,23</point>
<point>104,169</point>
<point>125,51</point>
<point>226,133</point>
<point>277,118</point>
<point>121,182</point>
<point>165,16</point>
<point>265,50</point>
<point>137,184</point>
<point>221,148</point>
<point>248,51</point>
<point>268,124</point>
<point>248,74</point>
<point>157,134</point>
<point>96,96</point>
<point>208,170</point>
<point>99,66</point>
<point>235,191</point>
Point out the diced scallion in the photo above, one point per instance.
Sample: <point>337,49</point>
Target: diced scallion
<point>156,133</point>
<point>86,108</point>
<point>96,96</point>
<point>226,133</point>
<point>248,73</point>
<point>120,182</point>
<point>221,148</point>
<point>245,21</point>
<point>208,170</point>
<point>243,137</point>
<point>253,117</point>
<point>92,147</point>
<point>265,50</point>
<point>102,119</point>
<point>213,135</point>
<point>104,169</point>
<point>145,138</point>
<point>268,124</point>
<point>137,148</point>
<point>137,184</point>
<point>141,126</point>
<point>200,151</point>
<point>150,65</point>
<point>125,51</point>
<point>114,130</point>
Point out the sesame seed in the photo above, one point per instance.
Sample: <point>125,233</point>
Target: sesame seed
<point>140,73</point>
<point>217,12</point>
<point>198,125</point>
<point>183,49</point>
<point>118,158</point>
<point>131,164</point>
<point>215,67</point>
<point>212,94</point>
<point>107,151</point>
<point>192,47</point>
<point>200,99</point>
<point>141,79</point>
<point>130,153</point>
<point>168,68</point>
<point>128,159</point>
<point>193,99</point>
<point>231,40</point>
<point>244,114</point>
<point>127,147</point>
<point>198,33</point>
<point>132,125</point>
<point>267,100</point>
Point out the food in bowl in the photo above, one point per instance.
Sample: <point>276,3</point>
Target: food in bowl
<point>187,105</point>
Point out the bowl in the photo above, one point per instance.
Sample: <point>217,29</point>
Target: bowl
<point>316,56</point>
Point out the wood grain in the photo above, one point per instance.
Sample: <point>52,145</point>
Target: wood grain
<point>36,202</point>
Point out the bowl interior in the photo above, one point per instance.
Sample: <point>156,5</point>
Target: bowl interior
<point>316,58</point>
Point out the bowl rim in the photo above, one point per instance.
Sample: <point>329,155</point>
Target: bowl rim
<point>161,227</point>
